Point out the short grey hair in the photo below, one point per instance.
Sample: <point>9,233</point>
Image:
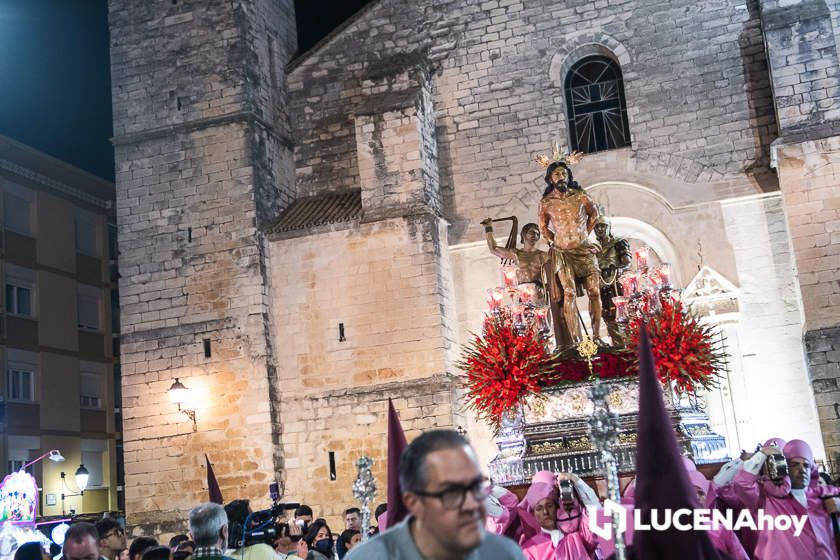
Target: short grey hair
<point>206,521</point>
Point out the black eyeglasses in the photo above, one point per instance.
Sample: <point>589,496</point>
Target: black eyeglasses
<point>453,496</point>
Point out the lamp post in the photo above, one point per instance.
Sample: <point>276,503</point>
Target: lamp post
<point>82,475</point>
<point>178,393</point>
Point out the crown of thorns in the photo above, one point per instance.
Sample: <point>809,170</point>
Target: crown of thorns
<point>558,157</point>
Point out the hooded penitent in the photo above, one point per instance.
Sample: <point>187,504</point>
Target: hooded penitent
<point>661,479</point>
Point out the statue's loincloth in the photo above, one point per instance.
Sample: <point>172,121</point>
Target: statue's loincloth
<point>578,263</point>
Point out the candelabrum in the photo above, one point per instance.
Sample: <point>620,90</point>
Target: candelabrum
<point>524,303</point>
<point>364,490</point>
<point>604,429</point>
<point>644,288</point>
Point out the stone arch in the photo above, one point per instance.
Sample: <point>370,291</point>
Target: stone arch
<point>576,46</point>
<point>585,43</point>
<point>640,212</point>
<point>623,226</point>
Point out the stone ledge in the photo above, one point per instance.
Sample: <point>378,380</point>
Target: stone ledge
<point>246,116</point>
<point>437,383</point>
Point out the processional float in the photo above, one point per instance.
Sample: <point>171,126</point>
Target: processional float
<point>558,396</point>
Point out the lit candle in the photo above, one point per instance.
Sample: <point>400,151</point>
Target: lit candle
<point>620,303</point>
<point>541,318</point>
<point>527,292</point>
<point>629,283</point>
<point>518,317</point>
<point>494,298</point>
<point>664,273</point>
<point>509,275</point>
<point>642,252</point>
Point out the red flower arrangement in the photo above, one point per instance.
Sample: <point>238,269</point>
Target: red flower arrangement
<point>684,350</point>
<point>503,368</point>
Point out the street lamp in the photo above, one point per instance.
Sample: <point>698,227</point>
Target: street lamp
<point>53,455</point>
<point>178,394</point>
<point>81,475</point>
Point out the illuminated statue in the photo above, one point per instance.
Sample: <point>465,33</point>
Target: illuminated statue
<point>532,266</point>
<point>613,258</point>
<point>566,217</point>
<point>529,260</point>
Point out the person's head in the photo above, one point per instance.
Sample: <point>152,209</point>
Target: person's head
<point>380,509</point>
<point>304,512</point>
<point>31,551</point>
<point>350,538</point>
<point>557,174</point>
<point>319,537</point>
<point>541,502</point>
<point>209,525</point>
<point>111,537</point>
<point>176,540</point>
<point>237,511</point>
<point>545,512</point>
<point>157,553</point>
<point>183,550</point>
<point>799,459</point>
<point>353,518</point>
<point>529,235</point>
<point>602,228</point>
<point>81,542</point>
<point>283,542</point>
<point>701,486</point>
<point>776,442</point>
<point>139,546</point>
<point>301,548</point>
<point>444,490</point>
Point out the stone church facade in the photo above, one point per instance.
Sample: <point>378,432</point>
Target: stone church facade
<point>300,238</point>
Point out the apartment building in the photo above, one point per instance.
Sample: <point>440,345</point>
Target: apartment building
<point>58,328</point>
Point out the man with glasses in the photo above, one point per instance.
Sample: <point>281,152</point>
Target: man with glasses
<point>445,493</point>
<point>111,537</point>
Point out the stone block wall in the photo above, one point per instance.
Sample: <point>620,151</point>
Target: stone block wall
<point>770,325</point>
<point>175,63</point>
<point>384,283</point>
<point>352,422</point>
<point>388,283</point>
<point>699,114</point>
<point>397,155</point>
<point>202,160</point>
<point>802,52</point>
<point>809,173</point>
<point>823,348</point>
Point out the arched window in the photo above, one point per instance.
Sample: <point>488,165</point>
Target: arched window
<point>595,101</point>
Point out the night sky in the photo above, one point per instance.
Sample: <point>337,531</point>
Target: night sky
<point>55,93</point>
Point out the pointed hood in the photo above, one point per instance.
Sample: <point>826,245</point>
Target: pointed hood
<point>212,484</point>
<point>396,444</point>
<point>662,481</point>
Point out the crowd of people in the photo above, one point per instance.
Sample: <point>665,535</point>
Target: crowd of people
<point>552,521</point>
<point>214,531</point>
<point>454,513</point>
